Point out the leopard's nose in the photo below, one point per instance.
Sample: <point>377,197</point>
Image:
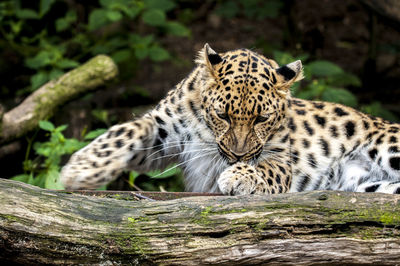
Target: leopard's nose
<point>238,155</point>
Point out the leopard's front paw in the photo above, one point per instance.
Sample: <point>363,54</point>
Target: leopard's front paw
<point>241,179</point>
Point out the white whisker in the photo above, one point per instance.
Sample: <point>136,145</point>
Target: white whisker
<point>182,163</point>
<point>177,144</point>
<point>166,147</point>
<point>180,153</point>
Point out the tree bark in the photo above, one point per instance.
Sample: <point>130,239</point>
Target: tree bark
<point>42,103</point>
<point>54,227</point>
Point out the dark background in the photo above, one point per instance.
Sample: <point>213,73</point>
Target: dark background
<point>360,38</point>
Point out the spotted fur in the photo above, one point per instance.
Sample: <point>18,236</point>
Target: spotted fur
<point>234,128</point>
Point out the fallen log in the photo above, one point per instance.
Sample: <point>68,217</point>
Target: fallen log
<point>319,227</point>
<point>42,103</point>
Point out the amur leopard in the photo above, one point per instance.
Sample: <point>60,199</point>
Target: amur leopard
<point>234,128</point>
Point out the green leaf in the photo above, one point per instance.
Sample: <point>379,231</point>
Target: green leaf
<point>141,44</point>
<point>100,48</point>
<point>313,91</point>
<point>67,63</point>
<point>97,18</point>
<point>16,26</point>
<point>26,14</point>
<point>170,171</point>
<point>227,9</point>
<point>53,180</point>
<point>376,109</point>
<point>269,9</point>
<point>141,53</point>
<point>22,178</point>
<point>133,11</point>
<point>45,6</point>
<point>154,17</point>
<point>250,7</point>
<point>164,5</point>
<point>138,40</point>
<point>28,165</point>
<point>114,15</point>
<point>117,42</point>
<point>324,68</point>
<point>72,145</point>
<point>43,58</point>
<point>307,95</point>
<point>107,3</point>
<point>339,95</point>
<point>61,128</point>
<point>95,133</point>
<point>38,180</point>
<point>39,79</point>
<point>295,88</point>
<point>344,79</point>
<point>46,125</point>
<point>31,180</point>
<point>55,73</point>
<point>121,55</point>
<point>176,28</point>
<point>62,24</point>
<point>101,115</point>
<point>132,176</point>
<point>102,188</point>
<point>42,148</point>
<point>142,92</point>
<point>157,53</point>
<point>283,58</point>
<point>114,4</point>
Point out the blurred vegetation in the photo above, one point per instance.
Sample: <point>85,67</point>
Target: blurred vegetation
<point>41,40</point>
<point>50,37</point>
<point>326,81</point>
<point>44,169</point>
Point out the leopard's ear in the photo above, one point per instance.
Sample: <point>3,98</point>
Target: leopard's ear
<point>287,75</point>
<point>209,58</point>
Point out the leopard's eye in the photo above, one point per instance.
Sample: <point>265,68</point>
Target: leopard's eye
<point>223,116</point>
<point>260,119</point>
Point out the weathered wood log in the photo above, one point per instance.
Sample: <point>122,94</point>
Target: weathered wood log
<point>42,103</point>
<point>53,227</point>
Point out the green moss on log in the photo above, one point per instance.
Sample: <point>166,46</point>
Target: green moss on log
<point>201,230</point>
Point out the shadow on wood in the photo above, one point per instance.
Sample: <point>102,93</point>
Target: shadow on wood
<point>51,227</point>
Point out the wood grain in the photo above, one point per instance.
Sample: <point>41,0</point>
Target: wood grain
<point>319,227</point>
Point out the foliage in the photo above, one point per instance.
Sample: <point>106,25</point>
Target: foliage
<point>327,81</point>
<point>51,44</point>
<point>324,80</point>
<point>170,179</point>
<point>257,9</point>
<point>376,109</point>
<point>43,171</point>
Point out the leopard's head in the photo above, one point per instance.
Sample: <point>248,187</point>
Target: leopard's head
<point>244,99</point>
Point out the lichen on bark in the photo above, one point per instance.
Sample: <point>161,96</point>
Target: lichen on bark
<point>291,228</point>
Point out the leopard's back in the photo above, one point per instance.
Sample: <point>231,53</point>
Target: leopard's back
<point>335,147</point>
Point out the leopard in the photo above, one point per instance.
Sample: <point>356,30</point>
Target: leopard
<point>234,128</point>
